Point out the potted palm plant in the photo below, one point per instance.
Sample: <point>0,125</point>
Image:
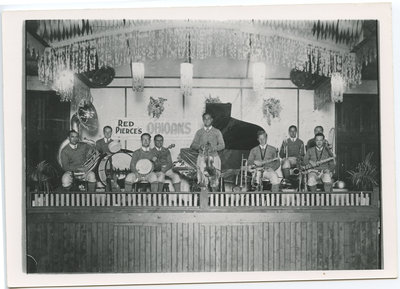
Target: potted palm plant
<point>365,175</point>
<point>42,176</point>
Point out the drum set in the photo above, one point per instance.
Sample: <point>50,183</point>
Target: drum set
<point>114,166</point>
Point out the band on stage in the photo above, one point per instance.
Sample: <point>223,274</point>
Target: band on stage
<point>304,165</point>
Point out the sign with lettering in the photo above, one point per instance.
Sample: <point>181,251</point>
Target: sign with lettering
<point>131,128</point>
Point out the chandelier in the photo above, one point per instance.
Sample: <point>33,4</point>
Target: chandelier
<point>259,76</point>
<point>137,69</point>
<point>186,78</point>
<point>64,85</point>
<point>337,87</point>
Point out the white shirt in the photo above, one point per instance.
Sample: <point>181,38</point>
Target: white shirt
<point>208,128</point>
<point>263,146</point>
<point>293,139</point>
<point>146,149</point>
<point>107,140</point>
<point>74,147</point>
<point>159,149</point>
<point>319,149</point>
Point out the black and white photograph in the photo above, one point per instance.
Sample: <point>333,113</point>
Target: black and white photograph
<point>153,145</point>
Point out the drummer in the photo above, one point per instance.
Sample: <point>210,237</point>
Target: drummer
<point>102,144</point>
<point>163,164</point>
<point>143,153</point>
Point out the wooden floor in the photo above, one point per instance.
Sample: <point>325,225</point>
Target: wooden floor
<point>194,239</point>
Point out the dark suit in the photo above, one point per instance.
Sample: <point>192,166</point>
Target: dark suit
<point>102,146</point>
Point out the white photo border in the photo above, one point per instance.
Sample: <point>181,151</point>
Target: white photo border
<point>13,87</point>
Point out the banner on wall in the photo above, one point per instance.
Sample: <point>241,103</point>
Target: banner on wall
<point>132,128</point>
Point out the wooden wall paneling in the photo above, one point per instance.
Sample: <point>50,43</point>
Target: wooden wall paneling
<point>309,246</point>
<point>245,247</point>
<point>142,248</point>
<point>290,243</point>
<point>363,250</point>
<point>298,248</point>
<point>303,257</point>
<point>218,249</point>
<point>179,247</point>
<point>375,244</point>
<point>185,247</point>
<point>174,249</point>
<point>109,246</point>
<point>252,237</point>
<point>347,246</point>
<point>228,248</point>
<point>335,246</point>
<point>115,241</point>
<point>190,247</point>
<point>235,248</point>
<point>131,248</point>
<point>276,248</point>
<point>271,247</point>
<point>325,246</point>
<point>319,246</point>
<point>93,264</point>
<point>240,248</point>
<point>201,248</point>
<point>169,248</point>
<point>158,252</point>
<point>341,247</point>
<point>126,241</point>
<point>207,251</point>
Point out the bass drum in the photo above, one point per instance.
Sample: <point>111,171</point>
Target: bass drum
<point>117,164</point>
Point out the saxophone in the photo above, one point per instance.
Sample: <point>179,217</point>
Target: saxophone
<point>308,167</point>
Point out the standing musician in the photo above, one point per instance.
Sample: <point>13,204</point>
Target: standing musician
<point>208,141</point>
<point>265,156</point>
<point>321,162</point>
<point>73,157</point>
<point>163,164</point>
<point>291,152</point>
<point>102,144</point>
<point>142,153</point>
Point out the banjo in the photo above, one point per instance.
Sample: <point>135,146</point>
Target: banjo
<point>145,166</point>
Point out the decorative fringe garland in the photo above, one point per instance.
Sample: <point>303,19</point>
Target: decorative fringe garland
<point>117,50</point>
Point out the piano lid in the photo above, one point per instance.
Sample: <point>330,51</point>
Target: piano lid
<point>238,134</point>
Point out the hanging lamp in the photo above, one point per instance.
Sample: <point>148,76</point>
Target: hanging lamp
<point>137,69</point>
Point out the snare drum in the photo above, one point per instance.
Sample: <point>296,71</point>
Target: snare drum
<point>144,167</point>
<point>114,146</point>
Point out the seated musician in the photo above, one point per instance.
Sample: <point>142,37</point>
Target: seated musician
<point>265,156</point>
<point>163,164</point>
<point>319,160</point>
<point>102,144</point>
<point>208,141</point>
<point>143,153</point>
<point>311,142</point>
<point>291,152</point>
<point>73,156</point>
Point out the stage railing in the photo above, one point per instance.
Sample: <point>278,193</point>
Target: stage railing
<point>202,199</point>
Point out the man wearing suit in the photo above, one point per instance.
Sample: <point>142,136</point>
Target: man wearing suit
<point>320,158</point>
<point>262,156</point>
<point>163,164</point>
<point>102,144</point>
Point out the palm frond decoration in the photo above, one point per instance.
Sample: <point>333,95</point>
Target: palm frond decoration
<point>365,175</point>
<point>42,175</point>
